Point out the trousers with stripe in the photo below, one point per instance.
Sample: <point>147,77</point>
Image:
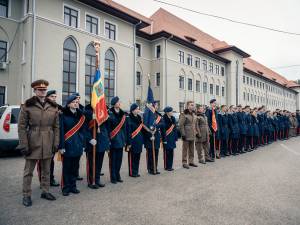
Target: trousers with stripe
<point>133,163</point>
<point>168,158</point>
<point>70,167</point>
<point>98,166</point>
<point>115,163</point>
<point>150,162</point>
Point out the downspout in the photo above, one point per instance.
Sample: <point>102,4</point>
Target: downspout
<point>134,60</point>
<point>33,42</point>
<point>166,72</point>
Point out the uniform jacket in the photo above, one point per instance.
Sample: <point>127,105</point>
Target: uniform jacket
<point>224,126</point>
<point>242,123</point>
<point>136,142</point>
<point>187,125</point>
<point>75,144</point>
<point>234,125</point>
<point>102,134</point>
<point>170,138</point>
<point>158,135</point>
<point>38,128</point>
<point>202,129</point>
<point>255,126</point>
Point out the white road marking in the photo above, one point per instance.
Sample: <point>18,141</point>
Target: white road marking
<point>290,150</point>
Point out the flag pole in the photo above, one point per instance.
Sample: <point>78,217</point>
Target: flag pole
<point>97,48</point>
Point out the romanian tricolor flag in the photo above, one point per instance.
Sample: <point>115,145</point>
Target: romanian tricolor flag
<point>98,99</point>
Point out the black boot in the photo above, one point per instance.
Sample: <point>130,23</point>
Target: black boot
<point>54,183</point>
<point>27,201</point>
<point>48,196</point>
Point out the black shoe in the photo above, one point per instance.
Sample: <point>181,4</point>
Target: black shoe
<point>65,193</point>
<point>101,174</point>
<point>113,181</point>
<point>79,178</point>
<point>227,154</point>
<point>120,180</point>
<point>202,162</point>
<point>27,201</point>
<point>93,186</point>
<point>48,196</point>
<point>100,185</point>
<point>185,166</point>
<point>170,169</point>
<point>53,183</point>
<point>75,191</point>
<point>193,165</point>
<point>209,160</point>
<point>157,172</point>
<point>151,172</point>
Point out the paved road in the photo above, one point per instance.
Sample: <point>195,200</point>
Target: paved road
<point>260,187</point>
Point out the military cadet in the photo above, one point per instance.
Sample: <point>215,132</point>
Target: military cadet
<point>211,115</point>
<point>81,107</point>
<point>170,137</point>
<point>234,130</point>
<point>153,136</point>
<point>270,134</point>
<point>286,124</point>
<point>202,136</point>
<point>102,146</point>
<point>118,139</point>
<point>275,125</point>
<point>38,129</point>
<point>73,134</point>
<point>135,140</point>
<point>281,125</point>
<point>224,131</point>
<point>243,129</point>
<point>187,126</point>
<point>51,95</point>
<point>249,125</point>
<point>298,120</point>
<point>255,137</point>
<point>262,124</point>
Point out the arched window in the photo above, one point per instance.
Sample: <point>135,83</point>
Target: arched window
<point>90,67</point>
<point>69,69</point>
<point>109,75</point>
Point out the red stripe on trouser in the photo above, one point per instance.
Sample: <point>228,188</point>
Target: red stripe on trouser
<point>62,174</point>
<point>87,169</point>
<point>130,163</point>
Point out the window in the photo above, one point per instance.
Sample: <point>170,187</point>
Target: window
<point>204,87</point>
<point>251,97</point>
<point>2,96</point>
<point>251,81</point>
<point>244,79</point>
<point>71,17</point>
<point>244,96</point>
<point>92,24</point>
<point>110,31</point>
<point>4,8</point>
<point>26,7</point>
<point>204,62</point>
<point>138,78</point>
<point>138,49</point>
<point>217,90</point>
<point>181,82</point>
<point>190,60</point>
<point>222,71</point>
<point>181,107</point>
<point>157,52</point>
<point>263,85</point>
<point>69,69</point>
<point>157,79</point>
<point>248,97</point>
<point>190,84</point>
<point>90,70</point>
<point>197,62</point>
<point>247,80</point>
<point>223,91</point>
<point>3,51</point>
<point>217,69</point>
<point>254,83</point>
<point>211,89</point>
<point>181,56</point>
<point>198,85</point>
<point>109,75</point>
<point>211,67</point>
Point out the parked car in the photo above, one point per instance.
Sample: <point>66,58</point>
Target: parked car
<point>9,138</point>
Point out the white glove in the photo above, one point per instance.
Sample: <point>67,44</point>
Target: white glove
<point>62,151</point>
<point>93,142</point>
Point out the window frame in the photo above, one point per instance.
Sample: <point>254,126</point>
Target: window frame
<point>190,85</point>
<point>140,49</point>
<point>181,81</point>
<point>157,84</point>
<point>181,56</point>
<point>6,51</point>
<point>7,9</point>
<point>116,29</point>
<point>156,55</point>
<point>72,8</point>
<point>98,22</point>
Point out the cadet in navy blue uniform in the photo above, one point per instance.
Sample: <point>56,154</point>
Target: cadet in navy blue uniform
<point>276,125</point>
<point>170,138</point>
<point>102,145</point>
<point>72,141</point>
<point>270,133</point>
<point>261,124</point>
<point>281,125</point>
<point>255,137</point>
<point>158,131</point>
<point>213,130</point>
<point>249,128</point>
<point>224,131</point>
<point>286,124</point>
<point>298,120</point>
<point>118,139</point>
<point>136,140</point>
<point>243,129</point>
<point>234,130</point>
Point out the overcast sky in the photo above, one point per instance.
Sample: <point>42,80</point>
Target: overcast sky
<point>269,48</point>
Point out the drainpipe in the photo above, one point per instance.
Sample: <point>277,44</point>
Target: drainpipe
<point>33,42</point>
<point>134,60</point>
<point>166,71</point>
